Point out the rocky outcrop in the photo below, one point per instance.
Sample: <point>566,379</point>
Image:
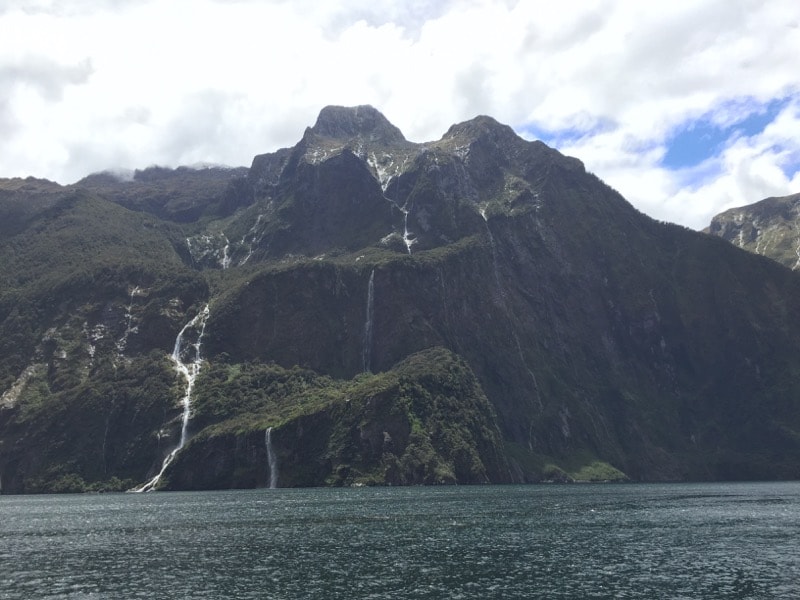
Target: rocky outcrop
<point>476,308</point>
<point>426,421</point>
<point>770,228</point>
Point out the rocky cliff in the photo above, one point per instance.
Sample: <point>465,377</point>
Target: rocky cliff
<point>770,227</point>
<point>473,309</point>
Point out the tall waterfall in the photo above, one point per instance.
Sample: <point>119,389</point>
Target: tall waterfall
<point>187,363</point>
<point>122,343</point>
<point>367,351</point>
<point>225,261</point>
<point>407,238</point>
<point>501,300</point>
<point>500,295</point>
<point>272,460</point>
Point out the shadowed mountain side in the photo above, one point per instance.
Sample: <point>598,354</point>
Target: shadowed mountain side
<point>476,308</point>
<point>182,195</point>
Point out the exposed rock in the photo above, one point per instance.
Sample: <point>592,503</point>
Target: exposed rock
<point>770,228</point>
<point>522,322</point>
<point>347,123</point>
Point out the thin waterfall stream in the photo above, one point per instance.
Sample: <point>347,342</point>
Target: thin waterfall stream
<point>189,370</point>
<point>122,343</point>
<point>368,324</point>
<point>407,238</point>
<point>503,302</point>
<point>272,460</point>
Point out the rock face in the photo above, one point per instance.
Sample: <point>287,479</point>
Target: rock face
<point>360,122</point>
<point>473,309</point>
<point>770,227</point>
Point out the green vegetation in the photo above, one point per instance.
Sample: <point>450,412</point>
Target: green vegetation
<point>541,329</point>
<point>424,422</point>
<point>94,433</point>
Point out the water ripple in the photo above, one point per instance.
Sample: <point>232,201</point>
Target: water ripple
<point>617,541</point>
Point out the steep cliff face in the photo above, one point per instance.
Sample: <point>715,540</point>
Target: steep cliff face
<point>770,228</point>
<point>478,308</point>
<point>425,421</point>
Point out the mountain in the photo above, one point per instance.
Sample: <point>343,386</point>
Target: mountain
<point>770,227</point>
<point>361,309</point>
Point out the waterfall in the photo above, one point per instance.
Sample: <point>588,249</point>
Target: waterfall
<point>225,261</point>
<point>384,177</point>
<point>409,241</point>
<point>502,302</point>
<point>189,368</point>
<point>129,327</point>
<point>495,268</point>
<point>272,460</point>
<point>367,352</point>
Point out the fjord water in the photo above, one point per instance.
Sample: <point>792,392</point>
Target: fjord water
<point>561,541</point>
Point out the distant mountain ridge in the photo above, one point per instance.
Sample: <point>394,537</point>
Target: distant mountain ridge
<point>473,309</point>
<point>770,227</point>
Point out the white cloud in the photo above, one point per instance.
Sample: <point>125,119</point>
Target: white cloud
<point>105,83</point>
<point>747,169</point>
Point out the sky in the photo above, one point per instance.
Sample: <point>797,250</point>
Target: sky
<point>686,107</point>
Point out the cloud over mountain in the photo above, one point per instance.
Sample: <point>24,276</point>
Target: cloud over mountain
<point>616,83</point>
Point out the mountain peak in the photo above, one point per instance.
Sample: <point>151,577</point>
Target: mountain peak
<point>357,121</point>
<point>482,126</point>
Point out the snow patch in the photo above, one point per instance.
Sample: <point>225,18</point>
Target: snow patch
<point>320,155</point>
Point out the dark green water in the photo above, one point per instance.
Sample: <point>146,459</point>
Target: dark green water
<point>581,541</point>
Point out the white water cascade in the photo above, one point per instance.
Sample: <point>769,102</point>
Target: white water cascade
<point>272,460</point>
<point>407,239</point>
<point>225,261</point>
<point>122,343</point>
<point>189,368</point>
<point>367,352</point>
<point>384,175</point>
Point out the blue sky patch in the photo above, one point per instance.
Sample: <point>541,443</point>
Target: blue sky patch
<point>706,137</point>
<point>553,137</point>
<point>698,142</point>
<point>791,166</point>
<point>560,137</point>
